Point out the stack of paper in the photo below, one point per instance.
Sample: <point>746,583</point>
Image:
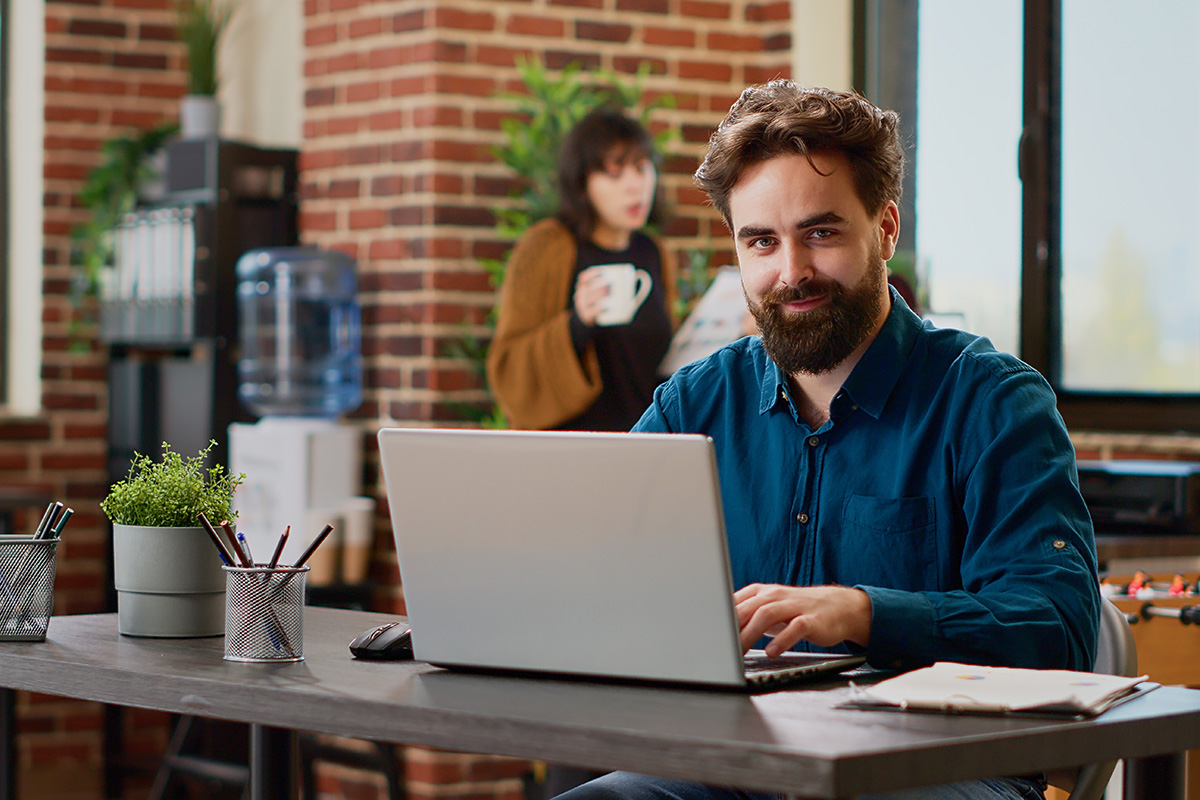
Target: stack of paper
<point>965,688</point>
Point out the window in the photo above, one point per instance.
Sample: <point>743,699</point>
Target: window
<point>1055,162</point>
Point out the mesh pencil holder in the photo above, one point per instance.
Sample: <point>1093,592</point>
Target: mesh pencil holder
<point>264,613</point>
<point>27,569</point>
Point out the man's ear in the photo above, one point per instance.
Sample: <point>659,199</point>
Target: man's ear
<point>889,229</point>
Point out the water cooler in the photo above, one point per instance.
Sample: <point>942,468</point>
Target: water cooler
<point>299,369</point>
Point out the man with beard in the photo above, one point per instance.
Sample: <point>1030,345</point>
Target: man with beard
<point>889,488</point>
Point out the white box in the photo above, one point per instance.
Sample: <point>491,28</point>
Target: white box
<point>300,472</point>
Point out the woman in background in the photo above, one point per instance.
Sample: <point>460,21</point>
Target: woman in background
<point>552,363</point>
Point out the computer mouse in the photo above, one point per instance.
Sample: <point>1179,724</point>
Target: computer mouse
<point>390,642</point>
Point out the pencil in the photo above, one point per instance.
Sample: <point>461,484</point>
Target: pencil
<point>226,556</point>
<point>233,543</point>
<point>283,537</point>
<point>307,554</point>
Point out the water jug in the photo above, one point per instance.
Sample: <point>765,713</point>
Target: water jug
<point>300,336</point>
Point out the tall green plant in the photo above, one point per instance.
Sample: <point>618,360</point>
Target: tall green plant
<point>548,108</point>
<point>202,24</point>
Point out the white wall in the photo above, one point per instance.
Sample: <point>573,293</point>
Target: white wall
<point>822,43</point>
<point>261,71</point>
<point>22,324</point>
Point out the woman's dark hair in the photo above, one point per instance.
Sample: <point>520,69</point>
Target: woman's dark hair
<point>781,118</point>
<point>602,136</point>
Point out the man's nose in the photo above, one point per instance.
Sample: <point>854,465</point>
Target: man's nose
<point>797,265</point>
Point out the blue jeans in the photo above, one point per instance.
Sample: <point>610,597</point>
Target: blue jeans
<point>630,786</point>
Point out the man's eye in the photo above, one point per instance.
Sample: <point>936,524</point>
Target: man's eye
<point>760,243</point>
<point>821,233</point>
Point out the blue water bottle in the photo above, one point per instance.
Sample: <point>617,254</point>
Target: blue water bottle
<point>300,332</point>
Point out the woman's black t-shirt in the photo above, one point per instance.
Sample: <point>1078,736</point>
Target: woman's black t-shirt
<point>629,354</point>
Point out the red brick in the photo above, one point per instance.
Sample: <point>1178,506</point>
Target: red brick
<point>524,25</point>
<point>324,34</point>
<point>769,12</point>
<point>669,37</point>
<point>589,30</point>
<point>364,92</point>
<point>645,6</point>
<point>360,28</point>
<point>705,9</point>
<point>463,20</point>
<point>705,71</point>
<point>366,218</point>
<point>578,3</point>
<point>108,29</point>
<point>734,42</point>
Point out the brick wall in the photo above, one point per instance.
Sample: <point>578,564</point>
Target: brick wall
<point>402,109</point>
<point>111,67</point>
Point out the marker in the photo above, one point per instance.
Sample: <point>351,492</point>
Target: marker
<point>56,532</point>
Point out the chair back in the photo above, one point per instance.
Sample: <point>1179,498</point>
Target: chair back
<point>1116,654</point>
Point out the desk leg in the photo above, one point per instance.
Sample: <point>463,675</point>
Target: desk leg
<point>273,763</point>
<point>1157,778</point>
<point>8,744</point>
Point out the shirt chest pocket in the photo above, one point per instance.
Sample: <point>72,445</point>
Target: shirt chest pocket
<point>889,542</point>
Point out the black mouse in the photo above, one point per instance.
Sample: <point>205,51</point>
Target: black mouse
<point>390,642</point>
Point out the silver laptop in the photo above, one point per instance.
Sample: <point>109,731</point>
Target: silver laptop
<point>598,555</point>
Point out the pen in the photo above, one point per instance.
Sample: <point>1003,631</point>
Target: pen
<point>279,547</point>
<point>51,518</point>
<point>56,531</point>
<point>245,545</point>
<point>226,556</point>
<point>37,534</point>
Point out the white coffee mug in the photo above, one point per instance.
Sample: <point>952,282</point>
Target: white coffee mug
<point>628,288</point>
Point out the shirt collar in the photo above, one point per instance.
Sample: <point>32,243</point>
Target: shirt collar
<point>876,374</point>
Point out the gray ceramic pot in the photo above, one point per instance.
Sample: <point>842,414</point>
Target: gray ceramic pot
<point>169,582</point>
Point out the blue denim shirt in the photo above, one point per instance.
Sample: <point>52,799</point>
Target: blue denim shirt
<point>943,484</point>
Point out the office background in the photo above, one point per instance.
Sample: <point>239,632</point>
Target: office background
<point>394,106</point>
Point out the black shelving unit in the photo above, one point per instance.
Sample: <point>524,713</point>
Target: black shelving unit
<point>173,354</point>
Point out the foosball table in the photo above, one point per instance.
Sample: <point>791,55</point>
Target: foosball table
<point>1164,612</point>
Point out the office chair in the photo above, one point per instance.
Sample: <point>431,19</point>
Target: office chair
<point>1115,655</point>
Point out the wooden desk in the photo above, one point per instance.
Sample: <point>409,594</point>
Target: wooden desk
<point>793,741</point>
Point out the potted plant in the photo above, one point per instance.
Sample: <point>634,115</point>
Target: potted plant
<point>202,24</point>
<point>166,570</point>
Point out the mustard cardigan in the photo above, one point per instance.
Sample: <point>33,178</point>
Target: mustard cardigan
<point>532,367</point>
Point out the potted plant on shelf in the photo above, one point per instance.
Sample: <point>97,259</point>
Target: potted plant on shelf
<point>167,573</point>
<point>202,24</point>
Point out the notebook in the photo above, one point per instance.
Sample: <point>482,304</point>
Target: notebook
<point>593,555</point>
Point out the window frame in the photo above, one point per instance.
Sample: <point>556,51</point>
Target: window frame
<point>1041,269</point>
<point>1040,335</point>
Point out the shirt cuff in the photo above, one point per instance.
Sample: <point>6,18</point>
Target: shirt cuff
<point>901,622</point>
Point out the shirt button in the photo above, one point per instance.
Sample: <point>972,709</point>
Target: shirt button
<point>802,518</point>
<point>813,441</point>
<point>1059,544</point>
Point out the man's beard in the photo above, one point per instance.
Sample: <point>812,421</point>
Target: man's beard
<point>819,340</point>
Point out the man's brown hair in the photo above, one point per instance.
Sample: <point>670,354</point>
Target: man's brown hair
<point>781,118</point>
